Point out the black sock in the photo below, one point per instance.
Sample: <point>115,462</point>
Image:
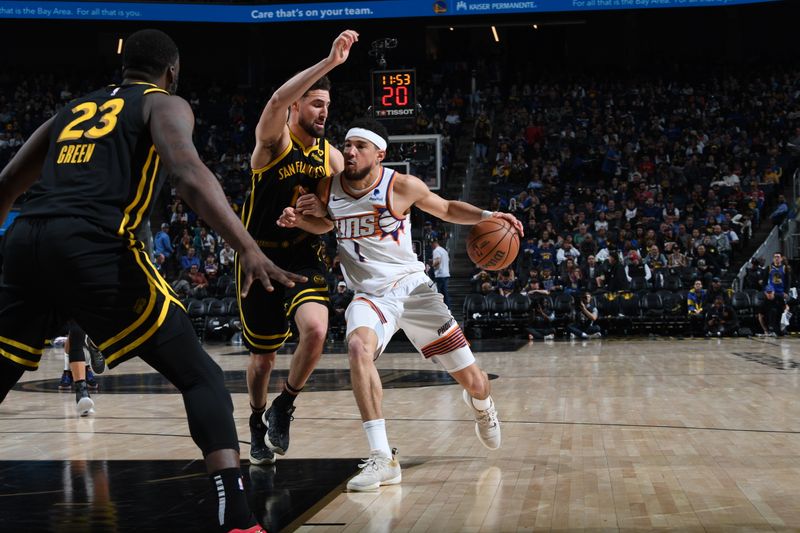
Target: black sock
<point>232,508</point>
<point>285,399</point>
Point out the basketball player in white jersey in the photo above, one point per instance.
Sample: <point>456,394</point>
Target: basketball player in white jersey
<point>369,205</point>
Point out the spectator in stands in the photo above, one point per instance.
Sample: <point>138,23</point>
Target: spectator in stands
<point>486,288</point>
<point>694,307</point>
<point>636,269</point>
<point>159,262</point>
<point>744,226</point>
<point>721,319</point>
<point>162,243</point>
<point>567,250</point>
<point>506,282</point>
<point>586,317</point>
<point>770,312</point>
<point>591,272</point>
<point>614,277</point>
<point>654,259</point>
<point>572,279</point>
<point>781,211</point>
<point>721,241</point>
<point>479,278</point>
<point>755,276</point>
<point>527,253</point>
<point>675,258</point>
<point>189,260</point>
<point>198,282</point>
<point>339,302</point>
<point>226,258</point>
<point>533,285</point>
<point>549,282</point>
<point>482,133</point>
<point>211,268</point>
<point>545,256</point>
<point>441,269</point>
<point>716,291</point>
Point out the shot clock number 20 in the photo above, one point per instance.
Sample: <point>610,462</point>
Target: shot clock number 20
<point>394,93</point>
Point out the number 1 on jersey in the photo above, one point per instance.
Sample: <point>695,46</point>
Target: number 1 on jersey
<point>357,248</point>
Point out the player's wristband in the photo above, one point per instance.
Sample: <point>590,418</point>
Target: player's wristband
<point>486,214</point>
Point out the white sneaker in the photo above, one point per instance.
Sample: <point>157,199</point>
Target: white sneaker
<point>596,335</point>
<point>85,406</point>
<point>377,470</point>
<point>487,425</point>
<point>571,336</point>
<point>549,337</point>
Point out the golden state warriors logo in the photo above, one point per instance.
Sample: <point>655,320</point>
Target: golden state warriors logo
<point>440,7</point>
<point>317,155</point>
<point>319,280</point>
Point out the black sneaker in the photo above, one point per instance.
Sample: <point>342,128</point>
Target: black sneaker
<point>83,401</point>
<point>259,452</point>
<point>277,421</point>
<point>95,356</point>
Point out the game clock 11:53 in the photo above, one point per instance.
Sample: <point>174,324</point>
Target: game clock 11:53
<point>394,93</point>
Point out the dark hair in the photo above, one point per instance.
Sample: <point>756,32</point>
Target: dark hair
<point>148,52</point>
<point>322,84</point>
<point>372,125</point>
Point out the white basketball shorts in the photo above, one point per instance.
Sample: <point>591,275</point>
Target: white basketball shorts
<point>415,307</point>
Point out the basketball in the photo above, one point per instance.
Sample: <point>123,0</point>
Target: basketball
<point>493,243</point>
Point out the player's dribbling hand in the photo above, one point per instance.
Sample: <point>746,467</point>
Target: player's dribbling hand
<point>341,46</point>
<point>255,265</point>
<point>512,219</point>
<point>288,218</point>
<point>310,204</point>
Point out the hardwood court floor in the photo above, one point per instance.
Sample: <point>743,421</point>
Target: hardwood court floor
<point>604,435</point>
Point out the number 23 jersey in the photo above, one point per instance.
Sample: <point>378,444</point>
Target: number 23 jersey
<point>101,163</point>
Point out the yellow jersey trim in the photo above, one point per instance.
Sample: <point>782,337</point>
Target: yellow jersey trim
<point>309,298</point>
<point>275,161</point>
<point>19,360</point>
<point>142,338</point>
<point>126,217</point>
<point>23,347</point>
<point>156,90</point>
<point>302,146</point>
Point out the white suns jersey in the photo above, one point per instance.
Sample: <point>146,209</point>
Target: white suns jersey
<point>375,247</point>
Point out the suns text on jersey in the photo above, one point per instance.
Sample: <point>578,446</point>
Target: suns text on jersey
<point>356,227</point>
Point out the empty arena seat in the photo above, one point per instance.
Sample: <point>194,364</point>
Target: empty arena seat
<point>638,284</point>
<point>564,306</point>
<point>519,307</point>
<point>651,304</point>
<point>672,283</point>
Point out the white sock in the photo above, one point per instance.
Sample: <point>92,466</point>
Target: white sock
<point>482,405</point>
<point>376,435</point>
<point>66,361</point>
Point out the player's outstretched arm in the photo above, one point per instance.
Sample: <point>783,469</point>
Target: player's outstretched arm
<point>24,168</point>
<point>171,123</point>
<point>272,133</point>
<point>410,190</point>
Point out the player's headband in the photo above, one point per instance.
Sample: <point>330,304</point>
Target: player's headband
<point>371,136</point>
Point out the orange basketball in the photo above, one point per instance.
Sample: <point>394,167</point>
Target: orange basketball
<point>493,243</point>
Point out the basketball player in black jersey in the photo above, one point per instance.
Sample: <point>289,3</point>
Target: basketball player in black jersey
<point>99,160</point>
<point>290,157</point>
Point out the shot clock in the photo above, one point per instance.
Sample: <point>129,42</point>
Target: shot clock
<point>394,93</point>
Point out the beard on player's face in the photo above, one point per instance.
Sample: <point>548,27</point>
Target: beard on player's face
<point>353,173</point>
<point>312,128</point>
